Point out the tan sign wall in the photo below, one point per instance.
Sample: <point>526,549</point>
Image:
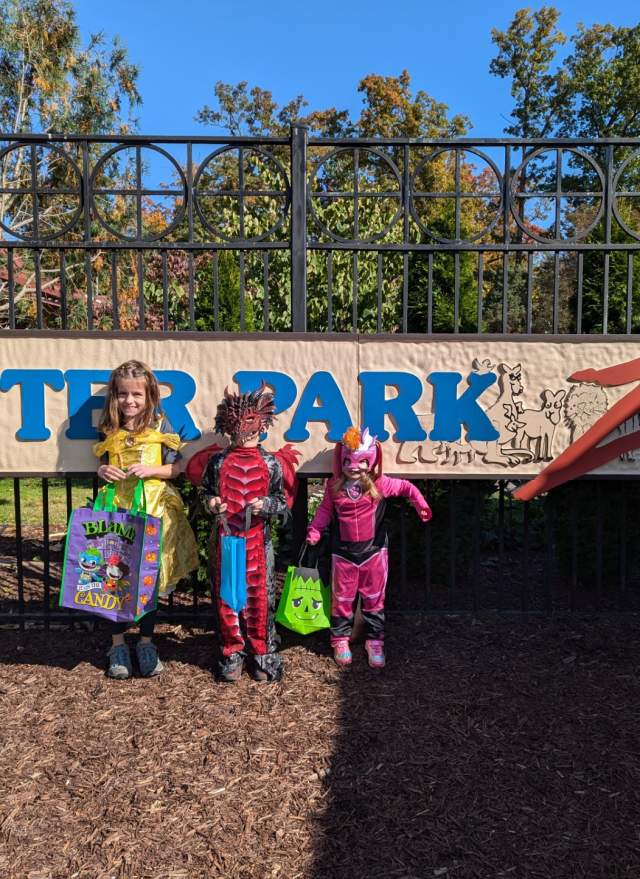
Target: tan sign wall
<point>526,396</point>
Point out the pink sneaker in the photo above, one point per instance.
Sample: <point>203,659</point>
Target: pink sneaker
<point>342,652</point>
<point>375,653</point>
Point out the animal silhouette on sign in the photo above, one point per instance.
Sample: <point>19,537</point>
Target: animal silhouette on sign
<point>594,447</point>
<point>504,451</point>
<point>583,406</point>
<point>511,412</point>
<point>539,425</point>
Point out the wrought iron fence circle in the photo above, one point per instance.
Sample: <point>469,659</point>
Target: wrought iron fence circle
<point>242,151</point>
<point>458,196</point>
<point>616,194</point>
<point>138,193</point>
<point>44,192</point>
<point>515,194</point>
<point>353,150</point>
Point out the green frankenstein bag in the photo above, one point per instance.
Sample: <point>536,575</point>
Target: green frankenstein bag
<point>305,603</point>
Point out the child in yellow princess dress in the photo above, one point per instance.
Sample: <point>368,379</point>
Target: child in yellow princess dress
<point>139,443</point>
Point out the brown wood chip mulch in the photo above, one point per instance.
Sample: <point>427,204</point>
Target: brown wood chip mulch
<point>487,748</point>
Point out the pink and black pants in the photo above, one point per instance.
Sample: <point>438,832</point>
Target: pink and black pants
<point>350,579</point>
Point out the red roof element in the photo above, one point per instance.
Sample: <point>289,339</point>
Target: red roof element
<point>584,454</point>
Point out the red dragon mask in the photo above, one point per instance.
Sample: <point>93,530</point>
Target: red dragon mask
<point>240,416</point>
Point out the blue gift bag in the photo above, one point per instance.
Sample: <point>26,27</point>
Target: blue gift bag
<point>233,566</point>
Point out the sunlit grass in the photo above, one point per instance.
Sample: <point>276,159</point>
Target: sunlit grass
<point>31,501</point>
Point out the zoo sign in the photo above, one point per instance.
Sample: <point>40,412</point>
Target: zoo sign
<point>455,406</point>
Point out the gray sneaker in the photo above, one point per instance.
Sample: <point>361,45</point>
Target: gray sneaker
<point>148,660</point>
<point>119,662</point>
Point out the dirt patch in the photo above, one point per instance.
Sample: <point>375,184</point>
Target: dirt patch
<point>487,748</point>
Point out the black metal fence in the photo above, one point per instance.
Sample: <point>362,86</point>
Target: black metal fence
<point>307,234</point>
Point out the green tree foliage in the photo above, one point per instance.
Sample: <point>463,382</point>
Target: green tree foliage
<point>390,109</point>
<point>593,92</point>
<point>50,82</point>
<point>603,81</point>
<point>527,57</point>
<point>603,69</point>
<point>241,111</point>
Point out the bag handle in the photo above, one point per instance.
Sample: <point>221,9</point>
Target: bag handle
<point>225,523</point>
<point>139,502</point>
<point>313,562</point>
<point>222,518</point>
<point>105,500</point>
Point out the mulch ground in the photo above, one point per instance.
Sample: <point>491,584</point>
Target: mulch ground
<point>486,748</point>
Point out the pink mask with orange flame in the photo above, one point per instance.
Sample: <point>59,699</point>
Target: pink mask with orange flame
<point>355,450</point>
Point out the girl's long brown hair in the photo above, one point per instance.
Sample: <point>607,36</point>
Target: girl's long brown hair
<point>110,420</point>
<point>367,483</point>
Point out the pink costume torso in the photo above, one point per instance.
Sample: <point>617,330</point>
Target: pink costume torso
<point>359,527</point>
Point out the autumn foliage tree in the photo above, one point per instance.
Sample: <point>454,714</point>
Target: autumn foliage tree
<point>390,109</point>
<point>592,92</point>
<point>51,83</point>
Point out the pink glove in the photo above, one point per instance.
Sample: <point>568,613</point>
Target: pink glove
<point>425,514</point>
<point>313,536</point>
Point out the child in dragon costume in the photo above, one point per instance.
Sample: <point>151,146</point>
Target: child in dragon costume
<point>354,499</point>
<point>232,479</point>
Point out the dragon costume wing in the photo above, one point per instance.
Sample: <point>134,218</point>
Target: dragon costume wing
<point>197,464</point>
<point>288,459</point>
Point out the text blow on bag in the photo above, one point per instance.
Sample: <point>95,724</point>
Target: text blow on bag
<point>112,558</point>
<point>305,603</point>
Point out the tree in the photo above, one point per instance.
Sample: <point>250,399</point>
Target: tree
<point>50,83</point>
<point>594,92</point>
<point>255,113</point>
<point>603,78</point>
<point>526,55</point>
<point>390,109</point>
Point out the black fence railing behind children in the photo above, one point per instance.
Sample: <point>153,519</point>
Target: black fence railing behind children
<point>575,549</point>
<point>305,234</point>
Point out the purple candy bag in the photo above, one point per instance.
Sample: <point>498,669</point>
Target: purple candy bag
<point>112,558</point>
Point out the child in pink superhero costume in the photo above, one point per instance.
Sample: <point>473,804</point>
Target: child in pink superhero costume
<point>355,499</point>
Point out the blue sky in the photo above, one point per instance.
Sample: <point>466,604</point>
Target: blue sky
<point>321,50</point>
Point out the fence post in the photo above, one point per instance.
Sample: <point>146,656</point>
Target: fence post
<point>299,139</point>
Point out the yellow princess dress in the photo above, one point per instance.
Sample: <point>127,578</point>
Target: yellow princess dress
<point>179,548</point>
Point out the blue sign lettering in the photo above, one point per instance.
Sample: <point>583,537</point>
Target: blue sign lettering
<point>375,404</point>
<point>321,400</point>
<point>82,403</point>
<point>332,409</point>
<point>451,411</point>
<point>183,390</point>
<point>32,383</point>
